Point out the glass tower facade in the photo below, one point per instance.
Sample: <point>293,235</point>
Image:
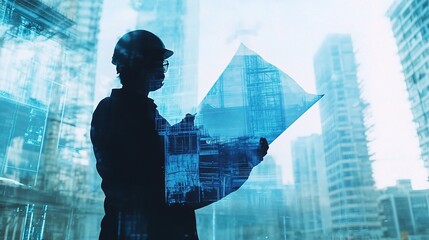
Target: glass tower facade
<point>348,165</point>
<point>309,170</point>
<point>410,25</point>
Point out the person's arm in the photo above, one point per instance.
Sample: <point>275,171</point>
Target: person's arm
<point>100,137</point>
<point>186,124</point>
<point>238,161</point>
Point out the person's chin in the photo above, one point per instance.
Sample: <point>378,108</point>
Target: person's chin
<point>156,87</point>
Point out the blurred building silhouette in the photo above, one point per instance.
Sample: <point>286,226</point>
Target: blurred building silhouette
<point>177,24</point>
<point>353,199</point>
<point>404,212</point>
<point>410,25</point>
<point>47,76</point>
<point>309,168</point>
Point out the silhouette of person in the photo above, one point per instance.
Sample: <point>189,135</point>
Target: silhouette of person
<point>130,151</point>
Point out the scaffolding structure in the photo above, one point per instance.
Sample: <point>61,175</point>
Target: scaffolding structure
<point>264,95</point>
<point>200,169</point>
<point>210,166</point>
<point>182,165</point>
<point>247,102</point>
<point>253,98</point>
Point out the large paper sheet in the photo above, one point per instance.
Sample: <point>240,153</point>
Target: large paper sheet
<point>213,157</point>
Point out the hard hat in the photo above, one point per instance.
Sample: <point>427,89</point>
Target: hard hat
<point>139,45</point>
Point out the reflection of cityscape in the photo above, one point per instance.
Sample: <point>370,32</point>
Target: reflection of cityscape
<point>251,99</point>
<point>200,170</point>
<point>47,61</point>
<point>49,187</point>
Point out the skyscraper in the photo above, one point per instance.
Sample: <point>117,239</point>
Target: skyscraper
<point>349,172</point>
<point>410,25</point>
<point>313,214</point>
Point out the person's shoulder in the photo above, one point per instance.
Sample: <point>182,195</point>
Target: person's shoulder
<point>105,101</point>
<point>116,93</point>
<point>102,106</point>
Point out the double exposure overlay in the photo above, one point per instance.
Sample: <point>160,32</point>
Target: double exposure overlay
<point>251,99</point>
<point>339,89</point>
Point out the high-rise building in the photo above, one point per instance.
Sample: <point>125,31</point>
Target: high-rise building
<point>404,212</point>
<point>313,214</point>
<point>352,196</point>
<point>410,25</point>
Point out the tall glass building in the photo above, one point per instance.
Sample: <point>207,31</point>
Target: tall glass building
<point>309,171</point>
<point>348,165</point>
<point>410,25</point>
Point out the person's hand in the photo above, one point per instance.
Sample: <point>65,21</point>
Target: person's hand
<point>188,121</point>
<point>189,118</point>
<point>263,147</point>
<point>256,156</point>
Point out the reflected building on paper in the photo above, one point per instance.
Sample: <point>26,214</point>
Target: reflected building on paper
<point>47,76</point>
<point>207,162</point>
<point>251,99</point>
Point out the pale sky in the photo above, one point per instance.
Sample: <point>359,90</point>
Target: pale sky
<point>287,33</point>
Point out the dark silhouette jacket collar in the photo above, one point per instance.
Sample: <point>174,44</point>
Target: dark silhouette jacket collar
<point>134,97</point>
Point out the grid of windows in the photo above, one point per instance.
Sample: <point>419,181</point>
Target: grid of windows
<point>351,187</point>
<point>410,24</point>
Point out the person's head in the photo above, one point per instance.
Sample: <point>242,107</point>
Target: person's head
<point>140,59</point>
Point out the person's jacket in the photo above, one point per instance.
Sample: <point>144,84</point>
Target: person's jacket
<point>130,161</point>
